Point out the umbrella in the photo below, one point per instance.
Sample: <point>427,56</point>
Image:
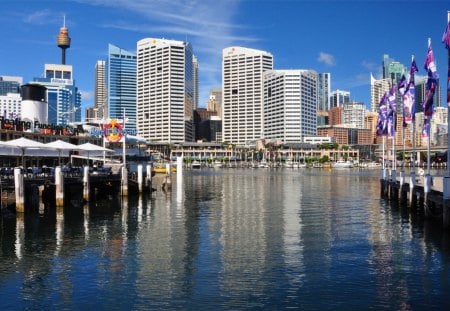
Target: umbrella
<point>61,145</point>
<point>91,147</point>
<point>23,144</point>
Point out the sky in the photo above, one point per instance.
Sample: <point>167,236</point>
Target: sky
<point>345,38</point>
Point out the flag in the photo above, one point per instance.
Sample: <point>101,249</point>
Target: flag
<point>401,87</point>
<point>409,97</point>
<point>430,66</point>
<point>426,127</point>
<point>446,41</point>
<point>446,36</point>
<point>382,117</point>
<point>391,122</point>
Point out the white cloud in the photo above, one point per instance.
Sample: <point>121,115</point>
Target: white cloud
<point>86,95</point>
<point>208,25</point>
<point>326,58</point>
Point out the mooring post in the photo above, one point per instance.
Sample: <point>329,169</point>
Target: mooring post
<point>167,184</point>
<point>86,183</point>
<point>124,183</point>
<point>18,186</point>
<point>140,177</point>
<point>148,177</point>
<point>394,188</point>
<point>412,184</point>
<point>59,186</point>
<point>446,203</point>
<point>426,192</point>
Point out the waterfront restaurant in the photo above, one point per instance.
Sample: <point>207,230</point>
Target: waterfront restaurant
<point>11,129</point>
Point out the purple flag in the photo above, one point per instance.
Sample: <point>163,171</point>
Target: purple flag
<point>382,117</point>
<point>446,36</point>
<point>391,112</point>
<point>409,97</point>
<point>430,66</point>
<point>426,127</point>
<point>446,41</point>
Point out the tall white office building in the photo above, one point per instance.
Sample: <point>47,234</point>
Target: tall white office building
<point>165,90</point>
<point>290,104</point>
<point>243,93</point>
<point>100,97</point>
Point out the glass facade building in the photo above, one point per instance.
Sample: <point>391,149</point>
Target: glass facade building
<point>121,85</point>
<point>63,96</point>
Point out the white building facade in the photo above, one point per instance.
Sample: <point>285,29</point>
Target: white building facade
<point>290,105</point>
<point>243,97</point>
<point>11,106</point>
<point>354,114</point>
<point>165,90</point>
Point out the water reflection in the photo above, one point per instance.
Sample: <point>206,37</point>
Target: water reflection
<point>228,239</point>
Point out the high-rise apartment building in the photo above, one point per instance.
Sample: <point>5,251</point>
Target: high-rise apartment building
<point>243,93</point>
<point>338,98</point>
<point>63,97</point>
<point>323,91</point>
<point>100,97</point>
<point>165,90</point>
<point>195,79</point>
<point>121,85</point>
<point>354,114</point>
<point>377,90</point>
<point>290,105</point>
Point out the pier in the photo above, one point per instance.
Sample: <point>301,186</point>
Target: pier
<point>53,186</point>
<point>422,192</point>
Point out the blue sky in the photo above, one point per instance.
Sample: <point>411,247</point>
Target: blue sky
<point>346,38</point>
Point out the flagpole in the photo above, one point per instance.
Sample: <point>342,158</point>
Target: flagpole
<point>448,106</point>
<point>446,190</point>
<point>429,134</point>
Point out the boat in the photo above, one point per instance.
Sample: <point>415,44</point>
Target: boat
<point>372,165</point>
<point>217,164</point>
<point>162,170</point>
<point>263,164</point>
<point>317,165</point>
<point>196,164</point>
<point>289,163</point>
<point>343,164</point>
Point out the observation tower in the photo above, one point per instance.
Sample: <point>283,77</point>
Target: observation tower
<point>63,41</point>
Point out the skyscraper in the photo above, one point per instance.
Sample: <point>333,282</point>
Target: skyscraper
<point>323,92</point>
<point>377,90</point>
<point>63,97</point>
<point>392,69</point>
<point>165,90</point>
<point>243,93</point>
<point>121,85</point>
<point>338,98</point>
<point>100,96</point>
<point>290,104</point>
<point>195,79</point>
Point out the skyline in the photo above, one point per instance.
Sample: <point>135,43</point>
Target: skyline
<point>346,38</point>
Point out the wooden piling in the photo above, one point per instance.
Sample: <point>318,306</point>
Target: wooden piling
<point>19,190</point>
<point>59,186</point>
<point>86,183</point>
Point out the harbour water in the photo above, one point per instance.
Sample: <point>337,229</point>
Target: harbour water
<point>230,239</point>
